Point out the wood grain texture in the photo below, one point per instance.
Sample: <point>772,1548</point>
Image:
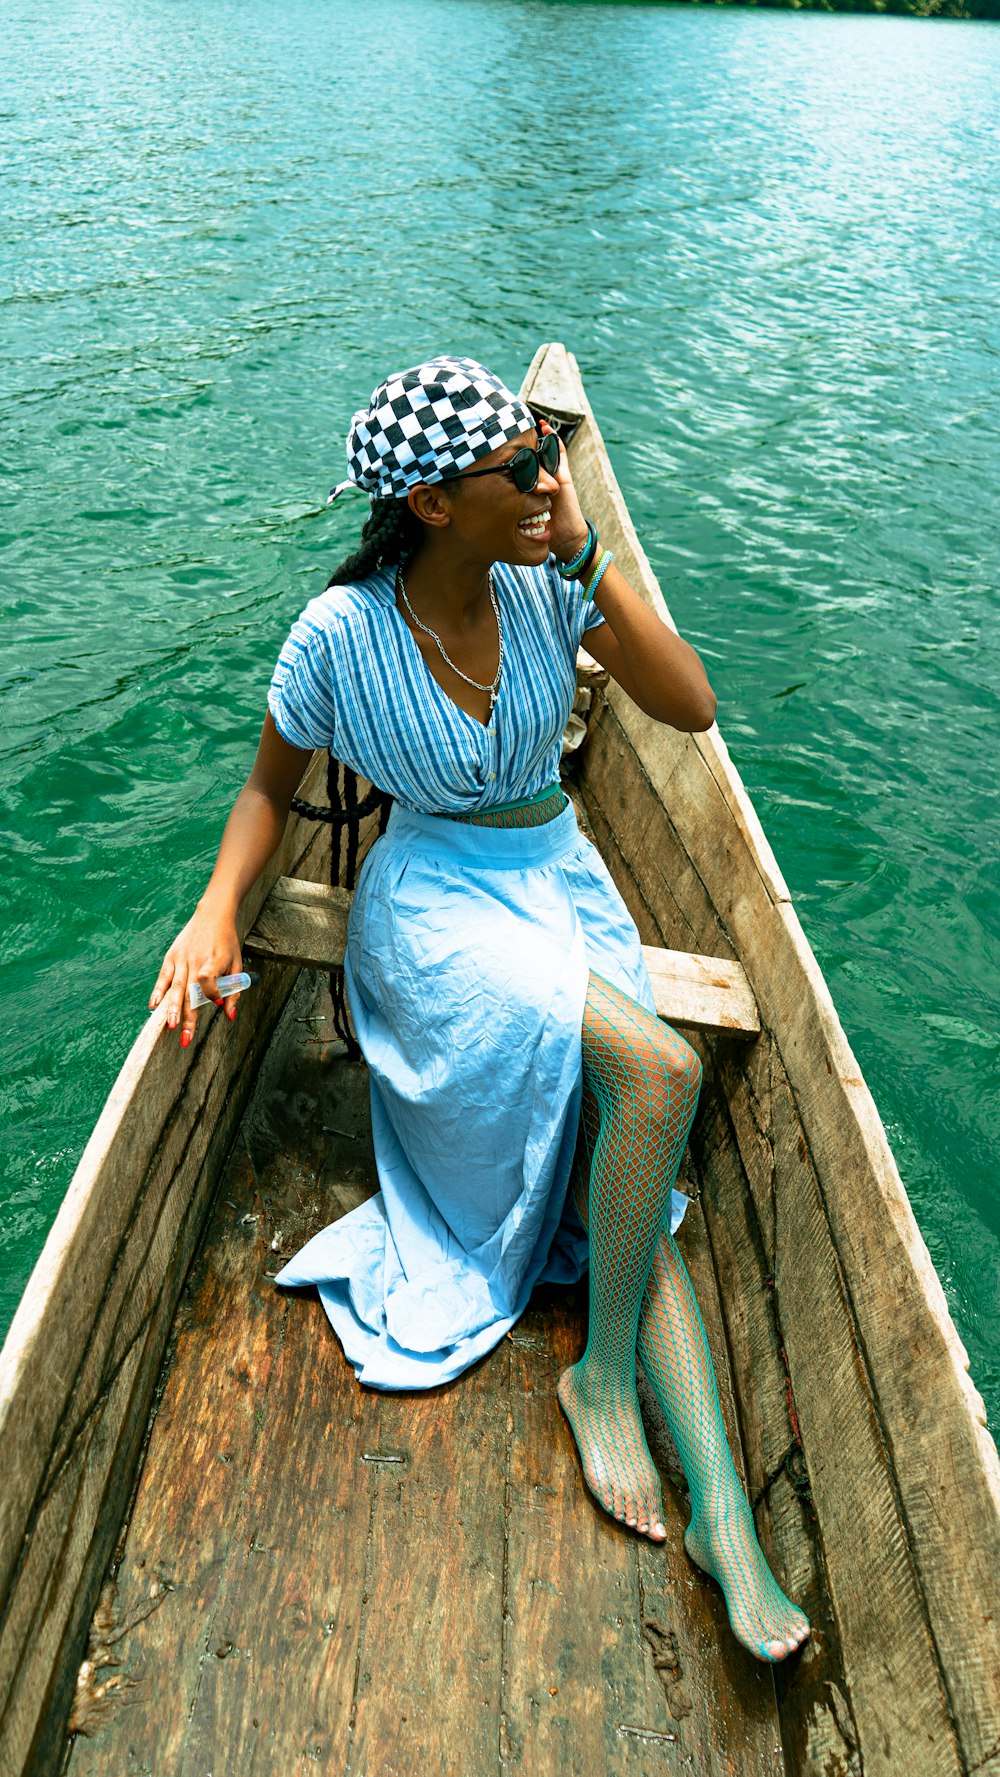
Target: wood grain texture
<point>707,993</point>
<point>428,1693</point>
<point>575,1666</point>
<point>666,895</point>
<point>302,922</point>
<point>819,1736</point>
<point>73,1535</point>
<point>229,1503</point>
<point>898,1695</point>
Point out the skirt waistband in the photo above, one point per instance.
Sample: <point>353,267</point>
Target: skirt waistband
<point>526,811</point>
<point>491,848</point>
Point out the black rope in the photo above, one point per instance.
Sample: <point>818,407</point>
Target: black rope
<point>353,824</point>
<point>345,811</point>
<point>342,817</point>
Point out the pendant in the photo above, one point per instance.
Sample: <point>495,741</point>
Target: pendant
<point>493,697</point>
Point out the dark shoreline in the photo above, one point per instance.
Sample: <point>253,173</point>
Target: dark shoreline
<point>944,9</point>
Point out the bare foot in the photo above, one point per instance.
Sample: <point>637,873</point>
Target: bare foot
<point>762,1618</point>
<point>617,1466</point>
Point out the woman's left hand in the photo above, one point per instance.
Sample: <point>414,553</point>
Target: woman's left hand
<point>569,527</point>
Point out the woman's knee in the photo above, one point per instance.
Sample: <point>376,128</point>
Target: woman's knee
<point>683,1063</point>
<point>657,1059</point>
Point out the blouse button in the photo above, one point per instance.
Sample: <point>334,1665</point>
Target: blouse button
<point>492,777</point>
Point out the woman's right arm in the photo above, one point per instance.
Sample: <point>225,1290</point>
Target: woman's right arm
<point>208,946</point>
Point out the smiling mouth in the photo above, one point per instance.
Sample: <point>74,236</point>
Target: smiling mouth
<point>536,525</point>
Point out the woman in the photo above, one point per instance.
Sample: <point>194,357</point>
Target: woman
<point>485,936</point>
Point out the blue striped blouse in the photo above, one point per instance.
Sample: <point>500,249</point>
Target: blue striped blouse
<point>351,677</point>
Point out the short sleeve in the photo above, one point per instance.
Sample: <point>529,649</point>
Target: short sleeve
<point>302,695</point>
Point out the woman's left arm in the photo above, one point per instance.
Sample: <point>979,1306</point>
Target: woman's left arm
<point>660,672</point>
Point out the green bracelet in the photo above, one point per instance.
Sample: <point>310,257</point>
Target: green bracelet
<point>595,579</point>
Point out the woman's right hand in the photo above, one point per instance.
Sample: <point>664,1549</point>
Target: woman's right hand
<point>207,947</point>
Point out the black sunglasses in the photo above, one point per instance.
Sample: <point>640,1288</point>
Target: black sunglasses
<point>523,466</point>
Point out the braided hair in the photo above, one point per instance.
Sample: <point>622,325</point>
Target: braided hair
<point>390,535</point>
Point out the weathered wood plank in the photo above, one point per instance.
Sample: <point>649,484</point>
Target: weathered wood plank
<point>303,922</point>
<point>818,1738</point>
<point>576,1671</point>
<point>433,1611</point>
<point>930,1414</point>
<point>185,1515</point>
<point>216,1494</point>
<point>707,993</point>
<point>41,1604</point>
<point>290,1599</point>
<point>77,1546</point>
<point>900,1703</point>
<point>630,823</point>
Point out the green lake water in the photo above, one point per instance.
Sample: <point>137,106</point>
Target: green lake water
<point>772,239</point>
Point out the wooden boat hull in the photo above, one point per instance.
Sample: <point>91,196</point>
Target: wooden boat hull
<point>874,1480</point>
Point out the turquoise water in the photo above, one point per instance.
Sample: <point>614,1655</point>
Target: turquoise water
<point>772,240</point>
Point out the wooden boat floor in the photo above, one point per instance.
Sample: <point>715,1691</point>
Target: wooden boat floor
<point>320,1577</point>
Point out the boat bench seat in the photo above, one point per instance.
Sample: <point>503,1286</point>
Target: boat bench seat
<point>306,923</point>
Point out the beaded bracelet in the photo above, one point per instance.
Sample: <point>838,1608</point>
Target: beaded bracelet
<point>595,579</point>
<point>571,570</point>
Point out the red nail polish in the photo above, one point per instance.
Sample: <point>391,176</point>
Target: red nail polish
<point>185,1038</point>
<point>232,1013</point>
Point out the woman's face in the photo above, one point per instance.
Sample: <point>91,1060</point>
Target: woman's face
<point>490,515</point>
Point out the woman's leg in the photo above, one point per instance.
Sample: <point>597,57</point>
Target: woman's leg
<point>675,1355</point>
<point>645,1082</point>
<point>721,1536</point>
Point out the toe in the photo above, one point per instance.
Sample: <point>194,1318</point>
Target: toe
<point>777,1650</point>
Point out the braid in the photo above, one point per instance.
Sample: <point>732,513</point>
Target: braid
<point>390,535</point>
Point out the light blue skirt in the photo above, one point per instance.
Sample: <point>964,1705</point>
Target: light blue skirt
<point>468,952</point>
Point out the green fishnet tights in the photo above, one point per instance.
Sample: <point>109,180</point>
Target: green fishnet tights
<point>641,1086</point>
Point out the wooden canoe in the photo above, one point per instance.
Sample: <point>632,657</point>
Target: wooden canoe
<point>219,1554</point>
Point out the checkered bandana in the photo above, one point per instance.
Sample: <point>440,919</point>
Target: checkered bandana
<point>428,423</point>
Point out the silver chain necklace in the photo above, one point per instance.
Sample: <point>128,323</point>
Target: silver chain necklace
<point>492,689</point>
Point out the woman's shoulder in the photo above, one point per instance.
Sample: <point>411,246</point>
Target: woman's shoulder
<point>338,608</point>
